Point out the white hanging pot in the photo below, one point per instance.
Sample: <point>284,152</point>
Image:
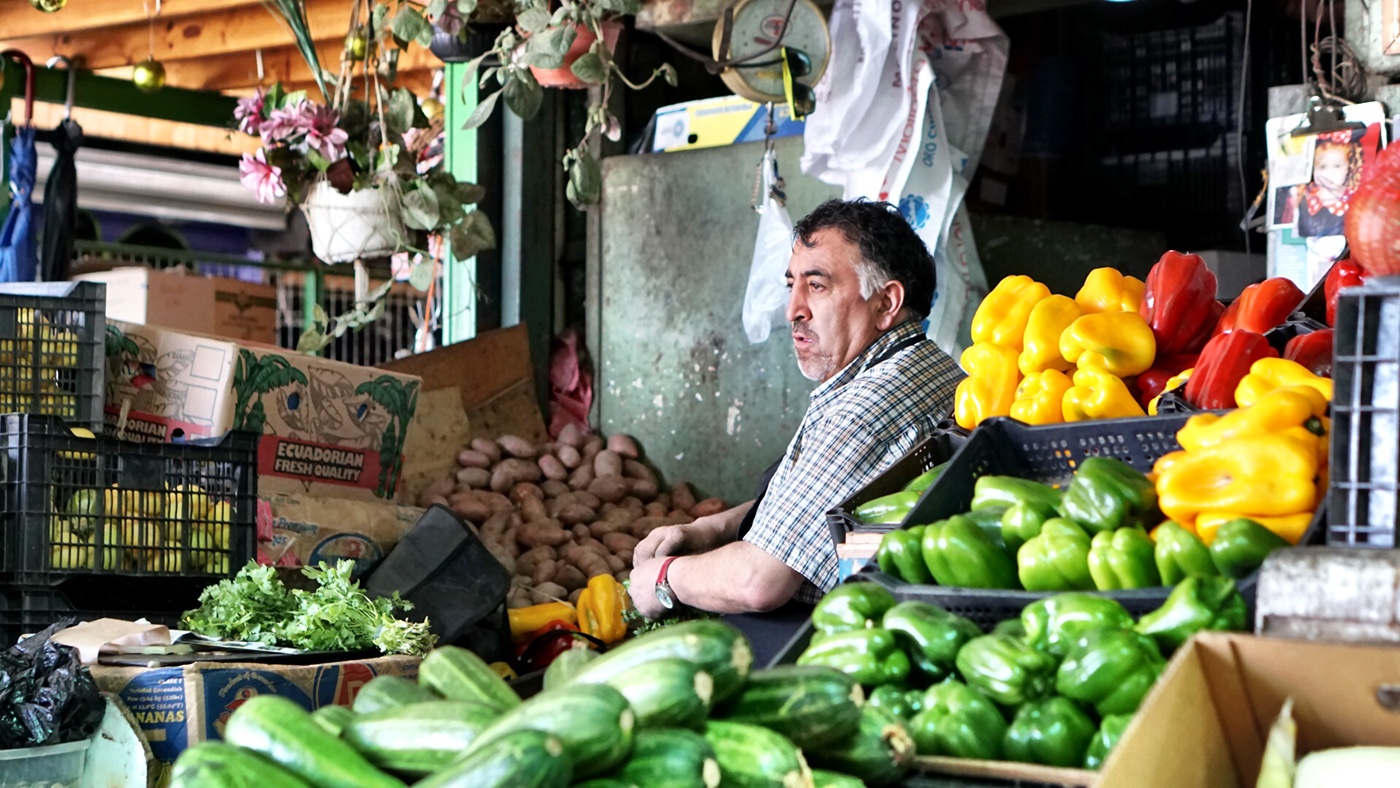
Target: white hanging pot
<point>348,227</point>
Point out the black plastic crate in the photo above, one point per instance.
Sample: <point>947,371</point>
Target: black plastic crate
<point>160,600</point>
<point>932,451</point>
<point>1365,462</point>
<point>77,506</point>
<point>52,359</point>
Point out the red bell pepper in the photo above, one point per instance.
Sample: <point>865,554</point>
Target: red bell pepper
<point>1344,273</point>
<point>1226,323</point>
<point>1262,306</point>
<point>1153,381</point>
<point>1179,303</point>
<point>1224,361</point>
<point>548,642</point>
<point>1313,351</point>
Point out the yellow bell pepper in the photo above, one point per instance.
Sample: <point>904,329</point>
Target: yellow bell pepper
<point>1001,317</point>
<point>1172,382</point>
<point>1271,373</point>
<point>1120,343</point>
<point>525,620</point>
<point>1275,412</point>
<point>1041,346</point>
<point>1289,526</point>
<point>1264,475</point>
<point>1166,461</point>
<point>600,609</point>
<point>1107,290</point>
<point>1040,397</point>
<point>990,387</point>
<point>1098,395</point>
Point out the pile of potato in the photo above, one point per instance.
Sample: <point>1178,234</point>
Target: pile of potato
<point>558,514</point>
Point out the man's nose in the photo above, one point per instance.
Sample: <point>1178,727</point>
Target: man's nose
<point>797,305</point>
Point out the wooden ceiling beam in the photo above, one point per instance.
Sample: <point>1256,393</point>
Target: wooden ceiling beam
<point>21,20</point>
<point>419,83</point>
<point>151,131</point>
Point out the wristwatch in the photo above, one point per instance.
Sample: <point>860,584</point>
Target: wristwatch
<point>664,594</point>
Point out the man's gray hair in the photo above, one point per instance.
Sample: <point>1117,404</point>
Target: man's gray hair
<point>871,278</point>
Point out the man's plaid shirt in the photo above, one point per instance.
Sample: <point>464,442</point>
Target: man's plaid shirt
<point>859,423</point>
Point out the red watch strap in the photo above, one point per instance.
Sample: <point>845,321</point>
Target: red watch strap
<point>661,576</point>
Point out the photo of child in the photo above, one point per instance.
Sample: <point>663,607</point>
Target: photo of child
<point>1321,204</point>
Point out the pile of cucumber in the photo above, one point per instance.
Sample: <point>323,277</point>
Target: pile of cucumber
<point>677,708</point>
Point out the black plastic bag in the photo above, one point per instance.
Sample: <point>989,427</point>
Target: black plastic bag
<point>46,695</point>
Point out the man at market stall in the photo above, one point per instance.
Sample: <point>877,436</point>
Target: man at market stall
<point>861,282</point>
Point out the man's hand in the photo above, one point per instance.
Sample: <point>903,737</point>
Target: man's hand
<point>701,536</point>
<point>643,586</point>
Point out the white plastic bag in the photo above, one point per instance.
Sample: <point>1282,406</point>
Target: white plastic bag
<point>766,299</point>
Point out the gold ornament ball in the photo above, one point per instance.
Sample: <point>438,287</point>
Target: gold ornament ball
<point>357,44</point>
<point>432,108</point>
<point>149,75</point>
<point>48,6</point>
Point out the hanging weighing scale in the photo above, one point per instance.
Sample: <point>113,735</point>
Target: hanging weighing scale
<point>759,40</point>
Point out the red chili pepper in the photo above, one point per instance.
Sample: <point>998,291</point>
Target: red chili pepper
<point>1153,381</point>
<point>1179,303</point>
<point>1313,351</point>
<point>1263,306</point>
<point>1344,273</point>
<point>1224,361</point>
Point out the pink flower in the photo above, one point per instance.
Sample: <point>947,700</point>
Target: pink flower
<point>261,177</point>
<point>322,135</point>
<point>284,123</point>
<point>249,113</point>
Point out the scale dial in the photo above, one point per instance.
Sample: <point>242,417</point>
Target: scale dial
<point>757,24</point>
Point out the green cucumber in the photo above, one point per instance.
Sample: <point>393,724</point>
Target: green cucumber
<point>284,732</point>
<point>754,757</point>
<point>824,779</point>
<point>458,674</point>
<point>518,759</point>
<point>716,647</point>
<point>390,692</point>
<point>606,782</point>
<point>420,739</point>
<point>811,705</point>
<point>879,753</point>
<point>215,764</point>
<point>671,758</point>
<point>564,666</point>
<point>592,720</point>
<point>667,693</point>
<point>333,718</point>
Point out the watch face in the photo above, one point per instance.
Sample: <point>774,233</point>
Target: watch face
<point>663,595</point>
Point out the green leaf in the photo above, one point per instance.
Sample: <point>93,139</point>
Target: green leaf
<point>523,95</point>
<point>378,16</point>
<point>585,180</point>
<point>421,276</point>
<point>318,313</point>
<point>317,160</point>
<point>311,341</point>
<point>420,208</point>
<point>398,114</point>
<point>533,19</point>
<point>470,69</point>
<point>409,25</point>
<point>466,7</point>
<point>294,98</point>
<point>435,9</point>
<point>482,111</point>
<point>472,235</point>
<point>590,69</point>
<point>547,49</point>
<point>668,73</point>
<point>273,98</point>
<point>470,193</point>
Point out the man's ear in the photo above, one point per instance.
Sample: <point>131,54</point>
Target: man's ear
<point>889,300</point>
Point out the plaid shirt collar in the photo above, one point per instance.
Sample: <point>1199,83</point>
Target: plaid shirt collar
<point>900,333</point>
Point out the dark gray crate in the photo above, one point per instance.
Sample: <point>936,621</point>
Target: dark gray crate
<point>52,359</point>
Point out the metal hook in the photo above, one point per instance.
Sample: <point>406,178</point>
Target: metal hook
<point>72,81</point>
<point>28,64</point>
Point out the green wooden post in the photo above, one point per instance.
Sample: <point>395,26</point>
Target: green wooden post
<point>459,276</point>
<point>312,290</point>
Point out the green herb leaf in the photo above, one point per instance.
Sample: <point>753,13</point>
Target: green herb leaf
<point>523,95</point>
<point>533,19</point>
<point>420,208</point>
<point>409,25</point>
<point>399,111</point>
<point>482,111</point>
<point>585,180</point>
<point>472,235</point>
<point>421,275</point>
<point>590,69</point>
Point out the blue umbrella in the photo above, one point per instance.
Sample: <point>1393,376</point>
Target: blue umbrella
<point>19,260</point>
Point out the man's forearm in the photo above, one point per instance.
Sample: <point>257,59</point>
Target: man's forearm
<point>736,578</point>
<point>730,520</point>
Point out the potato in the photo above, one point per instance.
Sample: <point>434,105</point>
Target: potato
<point>553,489</point>
<point>570,577</point>
<point>575,514</point>
<point>542,532</point>
<point>591,562</point>
<point>469,507</point>
<point>494,527</point>
<point>588,499</point>
<point>641,488</point>
<point>542,571</point>
<point>525,490</point>
<point>625,556</point>
<point>607,463</point>
<point>572,435</point>
<point>664,499</point>
<point>517,598</point>
<point>582,476</point>
<point>508,541</point>
<point>616,564</point>
<point>609,488</point>
<point>497,502</point>
<point>708,507</point>
<point>601,528</point>
<point>471,458</point>
<point>510,472</point>
<point>580,531</point>
<point>624,574</point>
<point>501,554</point>
<point>633,503</point>
<point>592,446</point>
<point>677,517</point>
<point>552,468</point>
<point>619,541</point>
<point>575,595</point>
<point>549,592</point>
<point>569,456</point>
<point>487,447</point>
<point>516,446</point>
<point>439,489</point>
<point>475,478</point>
<point>636,470</point>
<point>656,510</point>
<point>533,510</point>
<point>624,445</point>
<point>532,558</point>
<point>642,526</point>
<point>682,497</point>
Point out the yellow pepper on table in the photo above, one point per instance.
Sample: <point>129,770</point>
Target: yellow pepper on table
<point>1041,345</point>
<point>990,387</point>
<point>1172,382</point>
<point>1120,343</point>
<point>1271,373</point>
<point>1278,411</point>
<point>600,609</point>
<point>526,620</point>
<point>1097,394</point>
<point>1108,290</point>
<point>1001,317</point>
<point>1265,475</point>
<point>1040,397</point>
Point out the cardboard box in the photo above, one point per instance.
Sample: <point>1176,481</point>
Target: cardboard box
<point>179,707</point>
<point>330,428</point>
<point>301,530</point>
<point>1206,722</point>
<point>710,123</point>
<point>218,306</point>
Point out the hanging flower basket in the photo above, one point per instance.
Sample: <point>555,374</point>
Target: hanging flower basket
<point>348,227</point>
<point>564,77</point>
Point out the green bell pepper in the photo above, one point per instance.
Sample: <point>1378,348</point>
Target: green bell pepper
<point>959,722</point>
<point>1057,559</point>
<point>893,699</point>
<point>959,553</point>
<point>1112,669</point>
<point>989,520</point>
<point>1011,627</point>
<point>925,479</point>
<point>1005,669</point>
<point>892,508</point>
<point>1241,546</point>
<point>991,491</point>
<point>1123,559</point>
<point>1056,623</point>
<point>1105,739</point>
<point>1197,603</point>
<point>1108,494</point>
<point>1180,554</point>
<point>900,555</point>
<point>1052,731</point>
<point>851,606</point>
<point>931,635</point>
<point>1021,523</point>
<point>870,656</point>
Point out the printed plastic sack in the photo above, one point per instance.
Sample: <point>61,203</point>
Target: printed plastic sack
<point>766,299</point>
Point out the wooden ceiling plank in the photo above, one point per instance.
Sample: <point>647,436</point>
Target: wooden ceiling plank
<point>284,64</point>
<point>20,20</point>
<point>151,131</point>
